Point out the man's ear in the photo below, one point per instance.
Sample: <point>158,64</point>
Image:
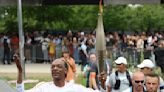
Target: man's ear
<point>65,72</point>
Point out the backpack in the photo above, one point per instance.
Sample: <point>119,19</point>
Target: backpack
<point>118,82</point>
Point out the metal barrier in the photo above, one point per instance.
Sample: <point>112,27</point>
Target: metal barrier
<point>34,54</point>
<point>134,56</point>
<point>37,54</point>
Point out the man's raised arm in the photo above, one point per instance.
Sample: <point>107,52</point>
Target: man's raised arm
<point>19,84</point>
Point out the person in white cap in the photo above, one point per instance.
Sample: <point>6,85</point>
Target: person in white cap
<point>147,67</point>
<point>120,79</point>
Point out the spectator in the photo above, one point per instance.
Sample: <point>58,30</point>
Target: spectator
<point>75,49</point>
<point>7,50</point>
<point>90,46</point>
<point>149,40</point>
<point>121,78</point>
<point>51,50</point>
<point>71,66</point>
<point>82,38</point>
<point>124,43</point>
<point>93,71</point>
<point>64,43</point>
<point>14,41</point>
<point>70,47</point>
<point>58,51</point>
<point>139,47</point>
<point>44,42</point>
<point>159,55</point>
<point>83,54</point>
<point>28,47</point>
<point>146,66</point>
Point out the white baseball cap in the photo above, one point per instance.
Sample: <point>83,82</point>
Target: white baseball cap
<point>121,60</point>
<point>146,63</point>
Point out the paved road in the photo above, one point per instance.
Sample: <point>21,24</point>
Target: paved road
<point>29,68</point>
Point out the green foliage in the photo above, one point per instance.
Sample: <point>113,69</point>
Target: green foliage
<point>27,85</point>
<point>142,18</point>
<point>80,79</point>
<point>80,17</point>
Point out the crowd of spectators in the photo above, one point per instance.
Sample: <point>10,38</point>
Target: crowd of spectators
<point>47,46</point>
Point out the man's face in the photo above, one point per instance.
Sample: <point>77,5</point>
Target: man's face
<point>152,84</point>
<point>66,55</point>
<point>58,70</point>
<point>138,82</point>
<point>93,58</point>
<point>121,67</point>
<point>146,70</point>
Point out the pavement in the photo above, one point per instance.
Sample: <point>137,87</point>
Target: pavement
<point>30,68</point>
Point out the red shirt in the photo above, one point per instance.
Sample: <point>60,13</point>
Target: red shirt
<point>14,42</point>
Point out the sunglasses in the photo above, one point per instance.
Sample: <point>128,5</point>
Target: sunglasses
<point>142,81</point>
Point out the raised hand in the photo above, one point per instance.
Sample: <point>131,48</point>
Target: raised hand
<point>17,61</point>
<point>19,67</point>
<point>102,78</point>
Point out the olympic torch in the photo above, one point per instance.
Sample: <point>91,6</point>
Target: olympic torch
<point>100,44</point>
<point>100,49</point>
